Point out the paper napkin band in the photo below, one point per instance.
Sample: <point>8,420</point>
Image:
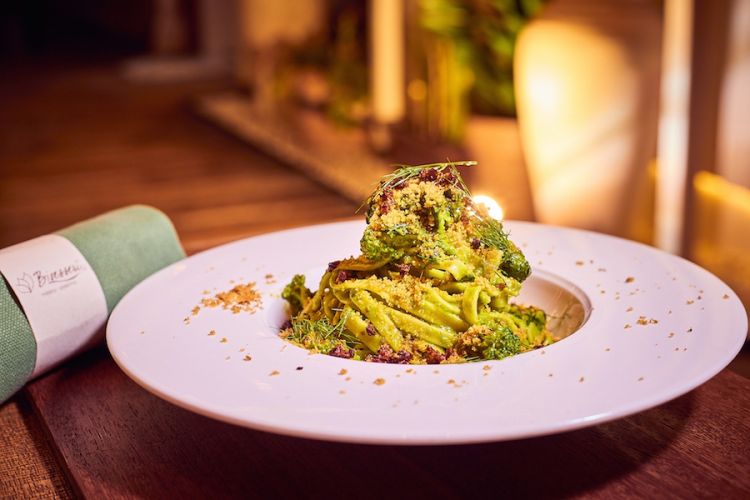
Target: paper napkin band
<point>122,248</point>
<point>60,295</point>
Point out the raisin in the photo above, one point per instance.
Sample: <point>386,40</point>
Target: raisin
<point>447,179</point>
<point>342,276</point>
<point>387,202</point>
<point>403,269</point>
<point>402,357</point>
<point>341,351</point>
<point>433,356</point>
<point>428,175</point>
<point>385,355</point>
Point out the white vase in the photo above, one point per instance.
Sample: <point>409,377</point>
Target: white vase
<point>587,85</point>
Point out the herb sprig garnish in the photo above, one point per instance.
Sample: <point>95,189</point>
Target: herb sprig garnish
<point>405,173</point>
<point>318,332</point>
<point>491,233</point>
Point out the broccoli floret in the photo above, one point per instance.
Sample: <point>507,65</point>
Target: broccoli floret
<point>444,217</point>
<point>377,246</point>
<point>500,343</point>
<point>514,264</point>
<point>494,341</point>
<point>296,294</point>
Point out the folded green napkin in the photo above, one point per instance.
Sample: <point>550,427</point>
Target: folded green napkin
<point>123,247</point>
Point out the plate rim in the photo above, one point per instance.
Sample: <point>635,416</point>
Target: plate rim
<point>630,408</point>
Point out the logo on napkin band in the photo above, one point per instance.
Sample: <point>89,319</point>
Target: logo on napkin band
<point>39,280</point>
<point>59,293</point>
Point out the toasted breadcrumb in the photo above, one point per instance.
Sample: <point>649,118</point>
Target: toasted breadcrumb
<point>242,298</point>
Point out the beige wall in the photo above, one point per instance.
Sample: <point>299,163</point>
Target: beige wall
<point>733,155</point>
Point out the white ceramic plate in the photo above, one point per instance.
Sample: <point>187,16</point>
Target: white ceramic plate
<point>656,327</point>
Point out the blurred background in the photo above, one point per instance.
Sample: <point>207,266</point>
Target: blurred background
<point>237,117</point>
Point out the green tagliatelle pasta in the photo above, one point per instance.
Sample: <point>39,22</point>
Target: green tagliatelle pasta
<point>432,284</point>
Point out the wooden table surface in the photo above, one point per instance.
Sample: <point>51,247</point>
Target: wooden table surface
<point>79,142</point>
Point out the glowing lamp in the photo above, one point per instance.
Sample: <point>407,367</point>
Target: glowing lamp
<point>493,207</point>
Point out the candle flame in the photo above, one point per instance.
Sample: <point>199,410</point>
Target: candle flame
<point>493,207</point>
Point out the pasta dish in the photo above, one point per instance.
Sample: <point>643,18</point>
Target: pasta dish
<point>432,284</point>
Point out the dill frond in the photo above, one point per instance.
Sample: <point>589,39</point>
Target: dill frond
<point>491,233</point>
<point>319,334</point>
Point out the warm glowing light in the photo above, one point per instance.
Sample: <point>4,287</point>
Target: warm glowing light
<point>546,93</point>
<point>673,125</point>
<point>712,187</point>
<point>493,207</point>
<point>417,90</point>
<point>387,60</point>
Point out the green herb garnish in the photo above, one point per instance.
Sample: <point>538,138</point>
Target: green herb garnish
<point>320,335</point>
<point>491,234</point>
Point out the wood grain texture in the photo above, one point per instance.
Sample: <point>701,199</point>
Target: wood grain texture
<point>119,441</point>
<point>78,142</point>
<point>28,466</point>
